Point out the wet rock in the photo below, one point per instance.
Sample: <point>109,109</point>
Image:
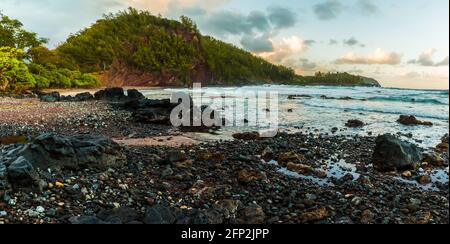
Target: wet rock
<point>290,157</point>
<point>248,176</point>
<point>253,214</point>
<point>443,146</point>
<point>176,156</point>
<point>268,154</point>
<point>81,97</point>
<point>71,152</point>
<point>50,97</point>
<point>133,94</point>
<point>152,116</point>
<point>115,94</point>
<point>411,121</point>
<point>123,215</point>
<point>86,220</point>
<point>247,136</point>
<point>159,215</point>
<point>393,154</point>
<point>314,215</point>
<point>367,217</point>
<point>210,156</point>
<point>407,174</point>
<point>354,123</point>
<point>300,168</point>
<point>22,173</point>
<point>434,159</point>
<point>424,179</point>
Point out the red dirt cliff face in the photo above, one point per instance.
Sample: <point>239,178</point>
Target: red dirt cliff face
<point>120,74</point>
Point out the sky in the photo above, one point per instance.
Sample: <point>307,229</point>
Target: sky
<point>401,43</point>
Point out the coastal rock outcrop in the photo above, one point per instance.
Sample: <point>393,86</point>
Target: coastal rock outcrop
<point>247,136</point>
<point>354,123</point>
<point>411,121</point>
<point>393,154</point>
<point>50,97</point>
<point>19,165</point>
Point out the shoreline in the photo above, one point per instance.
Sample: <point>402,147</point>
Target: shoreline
<point>214,181</point>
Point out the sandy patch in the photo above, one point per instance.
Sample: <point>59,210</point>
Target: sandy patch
<point>169,141</point>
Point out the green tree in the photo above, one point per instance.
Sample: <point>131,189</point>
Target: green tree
<point>14,73</point>
<point>13,35</point>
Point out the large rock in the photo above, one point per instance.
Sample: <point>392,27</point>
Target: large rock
<point>57,152</point>
<point>156,115</point>
<point>354,123</point>
<point>72,152</point>
<point>80,97</point>
<point>160,215</point>
<point>134,94</point>
<point>22,173</point>
<point>50,97</point>
<point>393,154</point>
<point>115,94</point>
<point>411,121</point>
<point>247,136</point>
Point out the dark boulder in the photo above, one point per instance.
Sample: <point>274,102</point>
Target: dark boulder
<point>50,97</point>
<point>72,152</point>
<point>123,215</point>
<point>22,173</point>
<point>134,94</point>
<point>86,220</point>
<point>85,96</point>
<point>393,154</point>
<point>354,123</point>
<point>160,215</point>
<point>247,136</point>
<point>411,121</point>
<point>152,116</point>
<point>115,94</point>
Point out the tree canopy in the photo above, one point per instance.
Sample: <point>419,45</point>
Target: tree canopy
<point>26,64</point>
<point>12,34</point>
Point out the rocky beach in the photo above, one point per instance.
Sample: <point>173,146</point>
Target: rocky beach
<point>112,158</point>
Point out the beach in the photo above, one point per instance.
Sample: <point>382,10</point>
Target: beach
<point>316,170</point>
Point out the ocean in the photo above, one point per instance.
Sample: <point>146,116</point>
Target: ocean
<point>318,109</point>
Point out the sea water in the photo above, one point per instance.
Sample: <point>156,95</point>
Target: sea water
<point>328,107</point>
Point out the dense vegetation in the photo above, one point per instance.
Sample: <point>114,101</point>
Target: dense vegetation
<point>26,64</point>
<point>338,79</point>
<point>157,45</point>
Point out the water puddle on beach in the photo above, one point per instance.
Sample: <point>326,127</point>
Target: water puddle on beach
<point>335,169</point>
<point>438,177</point>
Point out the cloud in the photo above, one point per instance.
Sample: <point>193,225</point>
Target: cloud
<point>257,44</point>
<point>281,17</point>
<point>231,22</point>
<point>426,59</point>
<point>353,42</point>
<point>258,20</point>
<point>378,57</point>
<point>368,7</point>
<point>330,9</point>
<point>284,49</point>
<point>310,42</point>
<point>227,22</point>
<point>333,42</point>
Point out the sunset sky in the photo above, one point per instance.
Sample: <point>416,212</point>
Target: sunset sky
<point>402,43</point>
